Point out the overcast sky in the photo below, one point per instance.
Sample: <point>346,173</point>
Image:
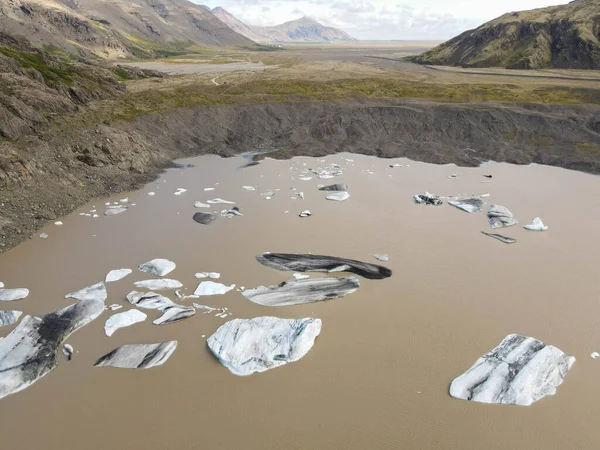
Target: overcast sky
<point>380,19</point>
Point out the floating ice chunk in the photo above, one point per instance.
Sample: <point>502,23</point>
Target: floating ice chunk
<point>333,187</point>
<point>381,257</point>
<point>305,178</point>
<point>300,276</point>
<point>114,210</point>
<point>1,284</point>
<point>470,205</point>
<point>58,223</point>
<point>116,275</point>
<point>157,285</point>
<point>201,205</point>
<point>209,189</point>
<point>115,307</point>
<point>246,346</point>
<point>159,267</point>
<point>43,236</point>
<point>9,317</point>
<point>124,200</point>
<point>500,216</point>
<point>248,188</point>
<point>149,300</point>
<point>67,351</point>
<point>138,356</point>
<point>180,191</point>
<point>339,197</point>
<point>151,194</point>
<point>306,213</point>
<point>520,371</point>
<point>301,195</point>
<point>595,355</point>
<point>174,314</point>
<point>427,199</point>
<point>94,292</point>
<point>212,288</point>
<point>537,225</point>
<point>220,201</point>
<point>122,320</point>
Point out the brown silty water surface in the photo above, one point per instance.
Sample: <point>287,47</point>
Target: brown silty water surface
<point>378,375</point>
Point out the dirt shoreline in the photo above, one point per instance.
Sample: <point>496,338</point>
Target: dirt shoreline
<point>49,175</point>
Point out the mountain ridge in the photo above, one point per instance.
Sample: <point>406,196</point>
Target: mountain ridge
<point>564,36</point>
<point>304,29</point>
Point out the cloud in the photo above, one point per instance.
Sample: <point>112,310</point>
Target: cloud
<point>379,19</point>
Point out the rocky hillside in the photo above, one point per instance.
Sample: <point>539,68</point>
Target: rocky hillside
<point>116,28</point>
<point>566,36</point>
<point>304,29</point>
<point>36,87</point>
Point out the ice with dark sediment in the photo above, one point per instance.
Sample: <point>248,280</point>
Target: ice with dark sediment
<point>159,267</point>
<point>298,292</point>
<point>149,300</point>
<point>30,351</point>
<point>500,217</point>
<point>94,292</point>
<point>138,356</point>
<point>520,371</point>
<point>10,295</point>
<point>334,187</point>
<point>173,314</point>
<point>204,218</point>
<point>501,238</point>
<point>427,199</point>
<point>247,346</point>
<point>320,263</point>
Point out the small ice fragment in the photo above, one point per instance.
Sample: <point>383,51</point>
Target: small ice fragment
<point>213,275</point>
<point>212,288</point>
<point>151,194</point>
<point>381,257</point>
<point>537,225</point>
<point>201,205</point>
<point>248,188</point>
<point>115,307</point>
<point>43,236</point>
<point>300,276</point>
<point>116,275</point>
<point>595,355</point>
<point>58,223</point>
<point>123,200</point>
<point>67,350</point>
<point>209,189</point>
<point>180,191</point>
<point>306,213</point>
<point>218,201</point>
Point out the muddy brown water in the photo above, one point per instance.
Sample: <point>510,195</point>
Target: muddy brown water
<point>379,373</point>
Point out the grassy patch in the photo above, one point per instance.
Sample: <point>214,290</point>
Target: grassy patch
<point>35,61</point>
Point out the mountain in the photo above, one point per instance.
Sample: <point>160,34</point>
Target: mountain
<point>117,28</point>
<point>304,29</point>
<point>566,36</point>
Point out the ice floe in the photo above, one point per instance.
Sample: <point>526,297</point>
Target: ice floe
<point>214,275</point>
<point>116,275</point>
<point>500,217</point>
<point>9,317</point>
<point>334,187</point>
<point>339,197</point>
<point>30,351</point>
<point>212,288</point>
<point>537,225</point>
<point>114,210</point>
<point>427,199</point>
<point>297,292</point>
<point>149,300</point>
<point>246,346</point>
<point>138,356</point>
<point>520,371</point>
<point>10,295</point>
<point>470,205</point>
<point>122,320</point>
<point>173,314</point>
<point>159,267</point>
<point>157,285</point>
<point>94,292</point>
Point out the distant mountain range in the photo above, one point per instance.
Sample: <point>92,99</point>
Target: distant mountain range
<point>117,28</point>
<point>304,29</point>
<point>566,36</point>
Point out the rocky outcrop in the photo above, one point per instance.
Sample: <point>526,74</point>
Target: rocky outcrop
<point>318,263</point>
<point>246,346</point>
<point>520,371</point>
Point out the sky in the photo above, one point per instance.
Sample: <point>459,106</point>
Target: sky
<point>380,19</point>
